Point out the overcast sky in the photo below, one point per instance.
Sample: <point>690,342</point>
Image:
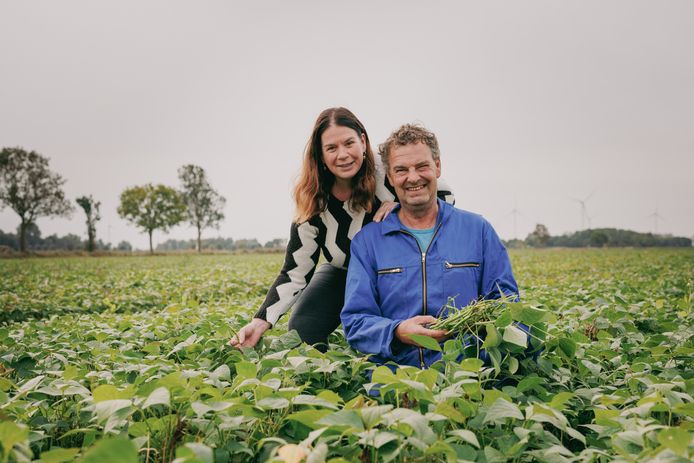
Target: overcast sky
<point>534,102</point>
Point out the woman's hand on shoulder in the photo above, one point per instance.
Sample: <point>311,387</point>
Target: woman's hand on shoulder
<point>384,210</point>
<point>250,334</point>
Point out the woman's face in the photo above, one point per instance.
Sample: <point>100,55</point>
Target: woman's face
<point>343,151</point>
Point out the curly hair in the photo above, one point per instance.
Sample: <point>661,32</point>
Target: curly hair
<point>315,181</point>
<point>405,135</point>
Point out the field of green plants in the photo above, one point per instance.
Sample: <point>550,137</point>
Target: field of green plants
<point>125,359</point>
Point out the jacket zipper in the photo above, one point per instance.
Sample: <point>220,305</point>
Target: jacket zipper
<point>424,280</point>
<point>460,265</point>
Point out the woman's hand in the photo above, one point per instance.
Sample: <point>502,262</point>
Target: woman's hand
<point>384,210</point>
<point>250,334</point>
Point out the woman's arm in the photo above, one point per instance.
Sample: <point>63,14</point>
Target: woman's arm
<point>300,262</point>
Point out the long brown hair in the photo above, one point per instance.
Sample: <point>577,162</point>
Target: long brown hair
<point>315,181</point>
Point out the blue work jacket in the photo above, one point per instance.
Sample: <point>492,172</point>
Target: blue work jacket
<point>390,279</point>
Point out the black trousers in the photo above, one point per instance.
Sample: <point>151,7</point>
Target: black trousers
<point>316,313</point>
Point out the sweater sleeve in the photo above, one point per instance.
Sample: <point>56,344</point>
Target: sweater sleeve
<point>299,265</point>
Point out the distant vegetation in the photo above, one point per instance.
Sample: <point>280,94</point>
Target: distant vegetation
<point>32,190</point>
<point>72,242</point>
<point>598,237</point>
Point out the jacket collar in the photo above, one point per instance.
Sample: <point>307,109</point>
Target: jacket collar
<point>392,223</point>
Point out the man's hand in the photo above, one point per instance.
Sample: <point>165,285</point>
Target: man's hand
<point>250,334</point>
<point>415,325</point>
<point>384,210</point>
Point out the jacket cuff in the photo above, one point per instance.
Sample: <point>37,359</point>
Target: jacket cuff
<point>393,344</point>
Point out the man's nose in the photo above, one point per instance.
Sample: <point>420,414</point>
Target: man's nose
<point>412,176</point>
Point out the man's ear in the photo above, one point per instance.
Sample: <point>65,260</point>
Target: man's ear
<point>438,167</point>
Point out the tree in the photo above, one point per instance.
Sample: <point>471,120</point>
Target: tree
<point>539,237</point>
<point>152,208</point>
<point>30,189</point>
<point>91,209</point>
<point>204,204</point>
<point>124,246</point>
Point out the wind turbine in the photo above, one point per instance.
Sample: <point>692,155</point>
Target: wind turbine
<point>584,210</point>
<point>515,213</point>
<point>656,216</point>
<point>590,219</point>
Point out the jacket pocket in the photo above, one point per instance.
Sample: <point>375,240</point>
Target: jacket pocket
<point>461,281</point>
<point>387,271</point>
<point>393,287</point>
<point>450,265</point>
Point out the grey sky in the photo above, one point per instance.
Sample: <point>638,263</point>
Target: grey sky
<point>533,102</point>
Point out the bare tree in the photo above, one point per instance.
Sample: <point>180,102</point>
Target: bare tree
<point>204,205</point>
<point>30,189</point>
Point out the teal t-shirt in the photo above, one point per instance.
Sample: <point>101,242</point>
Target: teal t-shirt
<point>423,236</point>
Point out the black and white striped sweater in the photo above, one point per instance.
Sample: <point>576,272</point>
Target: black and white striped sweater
<point>330,232</point>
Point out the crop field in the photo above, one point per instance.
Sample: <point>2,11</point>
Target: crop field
<point>125,359</point>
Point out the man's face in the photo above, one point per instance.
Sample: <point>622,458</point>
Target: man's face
<point>413,173</point>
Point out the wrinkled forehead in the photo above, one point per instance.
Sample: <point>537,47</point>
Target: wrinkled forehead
<point>410,154</point>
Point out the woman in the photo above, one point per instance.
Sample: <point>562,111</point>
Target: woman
<point>341,188</point>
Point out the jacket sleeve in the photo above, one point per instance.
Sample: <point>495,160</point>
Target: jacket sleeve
<point>300,263</point>
<point>365,328</point>
<point>497,276</point>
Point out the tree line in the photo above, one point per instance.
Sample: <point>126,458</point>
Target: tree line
<point>32,190</point>
<point>598,237</point>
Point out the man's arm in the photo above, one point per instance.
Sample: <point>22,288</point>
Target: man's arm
<point>497,276</point>
<point>365,328</point>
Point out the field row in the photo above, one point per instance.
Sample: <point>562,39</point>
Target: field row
<point>615,381</point>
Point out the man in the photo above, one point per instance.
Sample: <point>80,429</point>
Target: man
<point>404,269</point>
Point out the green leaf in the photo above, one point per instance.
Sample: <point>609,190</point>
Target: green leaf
<point>466,436</point>
<point>529,383</point>
<point>449,411</point>
<point>195,452</point>
<point>309,418</point>
<point>58,455</point>
<point>109,392</point>
<point>116,450</point>
<point>560,399</point>
<point>514,335</point>
<point>528,315</point>
<point>246,369</point>
<point>371,416</point>
<point>504,319</point>
<point>383,375</point>
<point>103,410</point>
<point>500,411</point>
<point>676,439</point>
<point>344,418</point>
<point>305,399</point>
<point>273,403</point>
<point>568,347</point>
<point>686,409</point>
<point>426,341</point>
<point>513,365</point>
<point>471,364</point>
<point>159,396</point>
<point>492,339</point>
<point>12,434</point>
